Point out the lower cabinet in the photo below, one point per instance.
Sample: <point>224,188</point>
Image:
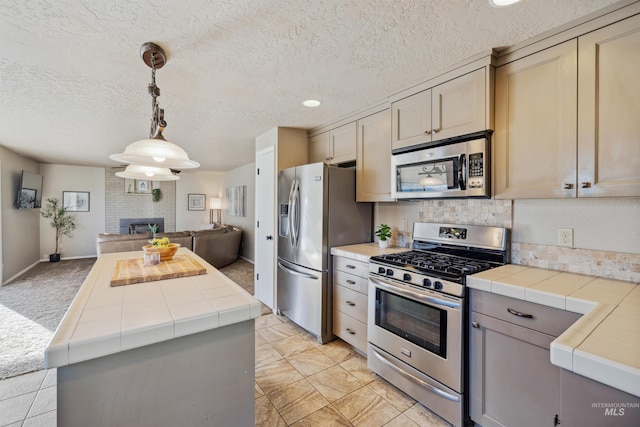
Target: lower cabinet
<point>350,285</point>
<point>512,381</point>
<point>588,403</point>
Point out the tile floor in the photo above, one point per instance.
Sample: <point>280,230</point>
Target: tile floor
<point>298,382</point>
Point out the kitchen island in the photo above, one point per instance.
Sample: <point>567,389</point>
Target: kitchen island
<point>170,352</point>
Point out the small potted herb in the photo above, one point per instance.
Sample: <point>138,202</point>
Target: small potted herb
<point>384,234</point>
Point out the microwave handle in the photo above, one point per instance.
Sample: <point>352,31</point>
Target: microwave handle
<point>462,176</point>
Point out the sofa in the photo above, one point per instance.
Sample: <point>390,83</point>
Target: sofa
<point>218,246</point>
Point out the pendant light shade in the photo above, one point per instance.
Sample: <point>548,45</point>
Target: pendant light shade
<point>155,152</point>
<point>147,172</point>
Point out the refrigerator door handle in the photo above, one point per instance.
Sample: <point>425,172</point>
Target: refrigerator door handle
<point>296,273</point>
<point>295,213</point>
<point>290,216</point>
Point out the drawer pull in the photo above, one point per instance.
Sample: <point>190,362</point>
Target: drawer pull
<point>351,303</point>
<point>351,331</point>
<point>351,282</point>
<point>517,313</point>
<point>351,266</point>
<point>475,325</point>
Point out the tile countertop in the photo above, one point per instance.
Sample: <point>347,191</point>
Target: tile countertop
<point>364,251</point>
<point>604,344</point>
<point>103,320</point>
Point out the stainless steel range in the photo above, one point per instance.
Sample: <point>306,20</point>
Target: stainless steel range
<point>417,312</point>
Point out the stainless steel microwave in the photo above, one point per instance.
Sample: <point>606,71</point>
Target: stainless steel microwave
<point>459,167</point>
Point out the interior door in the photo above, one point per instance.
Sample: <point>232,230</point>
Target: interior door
<point>265,251</point>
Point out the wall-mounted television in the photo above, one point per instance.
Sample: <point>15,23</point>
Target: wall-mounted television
<point>29,191</point>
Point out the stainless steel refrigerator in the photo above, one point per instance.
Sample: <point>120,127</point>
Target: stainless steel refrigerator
<point>317,210</point>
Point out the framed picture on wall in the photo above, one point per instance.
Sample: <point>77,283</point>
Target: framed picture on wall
<point>143,186</point>
<point>196,202</point>
<point>76,201</point>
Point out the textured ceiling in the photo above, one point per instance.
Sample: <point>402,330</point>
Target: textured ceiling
<point>73,86</point>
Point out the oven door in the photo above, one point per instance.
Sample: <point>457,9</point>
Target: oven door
<point>419,327</point>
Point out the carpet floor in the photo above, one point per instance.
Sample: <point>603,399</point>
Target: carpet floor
<point>32,306</point>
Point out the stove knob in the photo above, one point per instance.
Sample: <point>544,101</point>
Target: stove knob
<point>426,283</point>
<point>389,272</point>
<point>381,270</point>
<point>407,277</point>
<point>437,285</point>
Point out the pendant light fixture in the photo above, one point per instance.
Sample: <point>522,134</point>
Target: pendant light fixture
<point>155,153</point>
<point>148,172</point>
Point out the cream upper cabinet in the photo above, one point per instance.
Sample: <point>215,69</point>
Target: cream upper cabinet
<point>411,120</point>
<point>453,108</point>
<point>342,143</point>
<point>535,135</point>
<point>335,146</point>
<point>319,148</point>
<point>373,158</point>
<point>567,118</point>
<point>609,111</point>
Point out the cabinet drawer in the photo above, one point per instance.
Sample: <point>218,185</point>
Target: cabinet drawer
<point>548,320</point>
<point>350,281</point>
<point>350,330</point>
<point>350,302</point>
<point>352,266</point>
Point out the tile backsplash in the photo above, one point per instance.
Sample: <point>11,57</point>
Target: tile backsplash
<point>612,265</point>
<point>499,213</point>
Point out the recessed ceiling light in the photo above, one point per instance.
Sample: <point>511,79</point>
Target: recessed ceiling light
<point>311,103</point>
<point>502,3</point>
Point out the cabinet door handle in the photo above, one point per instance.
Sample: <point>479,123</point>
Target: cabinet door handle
<point>427,132</point>
<point>519,314</point>
<point>568,186</point>
<point>585,185</point>
<point>351,266</point>
<point>351,282</point>
<point>475,325</point>
<point>351,303</point>
<point>436,130</point>
<point>351,331</point>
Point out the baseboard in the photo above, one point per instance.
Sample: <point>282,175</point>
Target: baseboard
<point>15,276</point>
<point>246,259</point>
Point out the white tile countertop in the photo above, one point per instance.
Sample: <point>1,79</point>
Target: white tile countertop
<point>604,344</point>
<point>104,320</point>
<point>364,251</point>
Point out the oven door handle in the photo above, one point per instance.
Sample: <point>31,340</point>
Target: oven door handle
<point>395,289</point>
<point>415,379</point>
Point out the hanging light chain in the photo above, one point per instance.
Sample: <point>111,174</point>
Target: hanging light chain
<point>157,116</point>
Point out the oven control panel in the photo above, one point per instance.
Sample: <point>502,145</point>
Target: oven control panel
<point>417,279</point>
<point>453,233</point>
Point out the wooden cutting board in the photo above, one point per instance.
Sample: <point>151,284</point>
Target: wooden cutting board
<point>130,271</point>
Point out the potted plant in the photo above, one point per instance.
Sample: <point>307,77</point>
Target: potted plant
<point>384,234</point>
<point>60,220</point>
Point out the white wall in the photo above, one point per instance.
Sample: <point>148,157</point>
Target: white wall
<point>598,224</point>
<point>59,178</point>
<point>20,228</point>
<point>244,175</point>
<point>197,182</point>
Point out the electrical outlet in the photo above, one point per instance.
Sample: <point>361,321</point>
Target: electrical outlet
<point>565,237</point>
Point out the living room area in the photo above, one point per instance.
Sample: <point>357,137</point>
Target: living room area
<point>27,238</point>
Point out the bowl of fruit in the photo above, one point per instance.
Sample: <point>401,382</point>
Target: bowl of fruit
<point>162,246</point>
